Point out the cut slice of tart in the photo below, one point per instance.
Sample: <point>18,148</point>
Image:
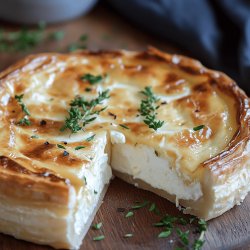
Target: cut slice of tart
<point>162,122</point>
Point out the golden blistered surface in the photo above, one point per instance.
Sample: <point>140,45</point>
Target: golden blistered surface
<point>189,94</point>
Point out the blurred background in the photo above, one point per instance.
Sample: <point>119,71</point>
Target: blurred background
<point>215,32</point>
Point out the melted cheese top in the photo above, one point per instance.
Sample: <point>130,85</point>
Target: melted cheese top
<point>189,96</point>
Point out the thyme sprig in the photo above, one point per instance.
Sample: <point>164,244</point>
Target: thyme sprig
<point>83,112</point>
<point>170,224</point>
<point>25,120</point>
<point>148,109</point>
<point>21,40</point>
<point>92,79</point>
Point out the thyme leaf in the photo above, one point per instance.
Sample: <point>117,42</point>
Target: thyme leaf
<point>148,109</point>
<point>198,127</point>
<point>98,238</point>
<point>92,79</point>
<point>25,120</point>
<point>97,226</point>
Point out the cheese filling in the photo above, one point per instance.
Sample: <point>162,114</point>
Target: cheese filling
<point>97,177</point>
<point>142,163</point>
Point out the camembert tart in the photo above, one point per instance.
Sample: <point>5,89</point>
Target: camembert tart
<point>162,122</point>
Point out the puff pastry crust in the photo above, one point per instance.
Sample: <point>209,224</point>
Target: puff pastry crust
<point>38,182</point>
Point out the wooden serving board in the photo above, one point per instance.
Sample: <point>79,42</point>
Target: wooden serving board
<point>107,30</point>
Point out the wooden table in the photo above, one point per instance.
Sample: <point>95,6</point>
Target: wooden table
<point>107,30</point>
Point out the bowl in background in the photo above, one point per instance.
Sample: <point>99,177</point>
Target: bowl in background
<point>49,11</point>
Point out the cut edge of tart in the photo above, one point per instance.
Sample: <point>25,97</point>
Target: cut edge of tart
<point>193,148</point>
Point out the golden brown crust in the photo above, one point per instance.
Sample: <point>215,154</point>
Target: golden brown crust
<point>19,183</point>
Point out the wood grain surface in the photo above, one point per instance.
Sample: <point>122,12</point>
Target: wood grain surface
<point>107,30</point>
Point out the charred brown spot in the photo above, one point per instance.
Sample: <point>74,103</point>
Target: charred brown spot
<point>152,57</point>
<point>38,151</point>
<point>65,153</point>
<point>113,115</point>
<point>192,70</point>
<point>139,128</point>
<point>64,158</point>
<point>43,122</point>
<point>20,88</point>
<point>171,77</point>
<point>213,82</point>
<point>102,53</point>
<point>201,87</point>
<point>50,153</point>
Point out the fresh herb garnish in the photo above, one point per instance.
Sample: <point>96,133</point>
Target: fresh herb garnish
<point>198,243</point>
<point>129,214</point>
<point>57,35</point>
<point>90,138</point>
<point>80,44</point>
<point>83,112</point>
<point>34,137</point>
<point>91,78</point>
<point>198,127</point>
<point>148,109</point>
<point>123,126</point>
<point>128,235</point>
<point>98,238</point>
<point>140,205</point>
<point>182,221</point>
<point>83,37</point>
<point>22,40</point>
<point>60,146</point>
<point>202,225</point>
<point>165,234</point>
<point>152,207</point>
<point>192,219</point>
<point>85,180</point>
<point>183,236</point>
<point>167,221</point>
<point>19,99</point>
<point>25,120</point>
<point>97,226</point>
<point>79,147</point>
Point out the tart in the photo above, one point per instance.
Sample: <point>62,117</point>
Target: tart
<point>162,122</point>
